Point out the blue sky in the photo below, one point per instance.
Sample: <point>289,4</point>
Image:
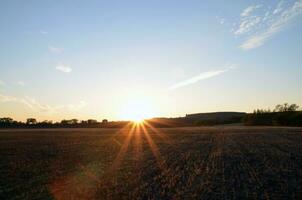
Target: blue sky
<point>85,59</point>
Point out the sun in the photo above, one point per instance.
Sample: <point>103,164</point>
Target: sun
<point>137,110</point>
<point>138,120</point>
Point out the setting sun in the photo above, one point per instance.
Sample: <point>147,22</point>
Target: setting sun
<point>137,110</point>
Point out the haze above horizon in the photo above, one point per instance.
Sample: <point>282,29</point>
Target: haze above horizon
<point>140,59</point>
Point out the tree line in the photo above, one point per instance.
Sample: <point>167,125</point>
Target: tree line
<point>282,115</point>
<point>7,122</point>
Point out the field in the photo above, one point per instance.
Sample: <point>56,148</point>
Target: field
<point>147,163</point>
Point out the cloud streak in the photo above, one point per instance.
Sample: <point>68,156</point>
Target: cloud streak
<point>202,76</point>
<point>263,27</point>
<point>30,103</point>
<point>275,26</point>
<point>64,68</point>
<point>246,12</point>
<point>39,107</point>
<point>247,24</point>
<point>278,8</point>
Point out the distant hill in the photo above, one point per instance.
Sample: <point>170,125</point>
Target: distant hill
<point>199,119</point>
<point>218,117</point>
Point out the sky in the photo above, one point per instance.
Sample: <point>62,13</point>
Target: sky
<point>62,59</point>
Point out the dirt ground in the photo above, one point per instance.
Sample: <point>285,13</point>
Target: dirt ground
<point>141,162</point>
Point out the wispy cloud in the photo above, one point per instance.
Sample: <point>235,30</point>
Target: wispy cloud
<point>247,24</point>
<point>247,11</point>
<point>55,49</point>
<point>30,103</point>
<point>222,21</point>
<point>278,8</point>
<point>262,27</point>
<point>20,83</point>
<point>248,20</point>
<point>6,98</point>
<point>35,105</point>
<point>202,76</point>
<point>78,106</point>
<point>64,68</point>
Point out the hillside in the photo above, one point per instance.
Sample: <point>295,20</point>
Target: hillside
<point>197,119</point>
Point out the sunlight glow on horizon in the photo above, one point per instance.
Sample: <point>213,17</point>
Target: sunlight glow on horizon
<point>137,109</point>
<point>131,61</point>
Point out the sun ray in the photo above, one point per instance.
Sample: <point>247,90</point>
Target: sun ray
<point>122,130</point>
<point>159,133</point>
<point>156,153</point>
<point>121,154</point>
<point>138,143</point>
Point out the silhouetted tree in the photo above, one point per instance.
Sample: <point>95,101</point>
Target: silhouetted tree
<point>285,115</point>
<point>6,120</point>
<point>31,121</point>
<point>74,121</point>
<point>92,121</point>
<point>46,122</point>
<point>286,107</point>
<point>64,121</point>
<point>71,121</point>
<point>259,111</point>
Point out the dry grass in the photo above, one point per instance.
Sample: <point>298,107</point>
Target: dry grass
<point>147,163</point>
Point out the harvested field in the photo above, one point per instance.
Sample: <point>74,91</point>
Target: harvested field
<point>147,163</point>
